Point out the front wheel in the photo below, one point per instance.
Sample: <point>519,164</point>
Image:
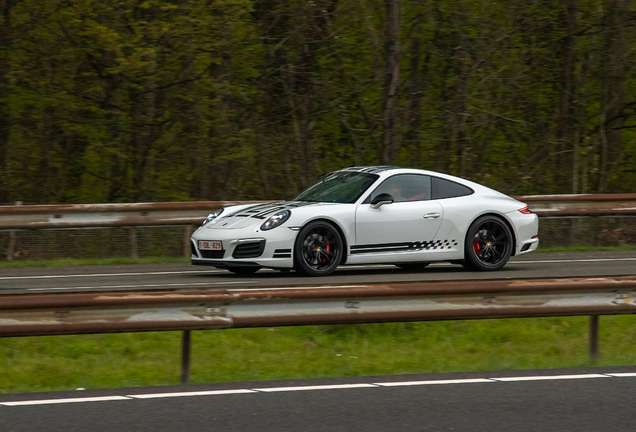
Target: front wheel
<point>318,249</point>
<point>488,244</point>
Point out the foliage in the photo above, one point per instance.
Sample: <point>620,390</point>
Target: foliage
<point>126,101</point>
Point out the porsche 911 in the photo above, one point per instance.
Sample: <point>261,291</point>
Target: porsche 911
<point>371,215</point>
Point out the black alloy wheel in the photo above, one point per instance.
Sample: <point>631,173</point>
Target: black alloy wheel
<point>244,270</point>
<point>415,267</point>
<point>488,244</point>
<point>318,249</point>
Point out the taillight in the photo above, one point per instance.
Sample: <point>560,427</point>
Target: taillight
<point>525,210</point>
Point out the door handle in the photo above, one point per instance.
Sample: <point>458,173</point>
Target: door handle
<point>432,215</point>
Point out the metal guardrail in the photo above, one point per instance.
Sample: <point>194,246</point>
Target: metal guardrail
<point>104,312</point>
<point>55,314</point>
<point>581,205</point>
<point>189,214</point>
<point>192,213</point>
<point>109,215</point>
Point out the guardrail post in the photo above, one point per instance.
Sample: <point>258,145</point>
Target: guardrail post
<point>134,251</point>
<point>594,339</point>
<point>11,248</point>
<point>187,251</point>
<point>185,357</point>
<point>12,240</point>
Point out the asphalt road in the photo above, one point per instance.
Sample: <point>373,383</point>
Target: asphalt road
<point>582,400</point>
<point>186,276</point>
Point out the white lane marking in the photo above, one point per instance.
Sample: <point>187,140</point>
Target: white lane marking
<point>550,377</point>
<point>141,286</point>
<point>573,260</point>
<point>184,394</point>
<point>269,270</point>
<point>92,275</point>
<point>417,383</point>
<point>69,400</point>
<point>320,387</point>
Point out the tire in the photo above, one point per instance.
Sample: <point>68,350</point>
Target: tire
<point>488,244</point>
<point>318,249</point>
<point>415,267</point>
<point>245,271</point>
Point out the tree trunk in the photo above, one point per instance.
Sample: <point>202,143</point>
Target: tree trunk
<point>613,87</point>
<point>565,129</point>
<point>392,81</point>
<point>416,88</point>
<point>5,116</point>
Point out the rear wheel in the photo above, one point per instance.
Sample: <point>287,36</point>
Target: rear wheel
<point>244,270</point>
<point>488,244</point>
<point>413,266</point>
<point>318,249</point>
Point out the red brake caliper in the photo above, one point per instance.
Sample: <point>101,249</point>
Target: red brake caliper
<point>476,246</point>
<point>328,249</point>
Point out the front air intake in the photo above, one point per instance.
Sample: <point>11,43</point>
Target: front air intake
<point>212,254</point>
<point>249,249</point>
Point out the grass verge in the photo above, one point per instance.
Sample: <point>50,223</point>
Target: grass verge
<point>140,359</point>
<point>93,261</point>
<point>624,247</point>
<point>170,260</point>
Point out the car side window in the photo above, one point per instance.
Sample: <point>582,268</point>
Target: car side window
<point>442,188</point>
<point>405,188</point>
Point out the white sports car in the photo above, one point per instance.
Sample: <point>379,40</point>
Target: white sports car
<point>364,215</point>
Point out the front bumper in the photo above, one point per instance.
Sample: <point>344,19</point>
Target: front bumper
<point>277,250</point>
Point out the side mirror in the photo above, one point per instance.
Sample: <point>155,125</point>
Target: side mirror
<point>380,200</point>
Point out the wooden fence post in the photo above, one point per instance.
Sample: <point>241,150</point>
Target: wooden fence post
<point>187,251</point>
<point>134,250</point>
<point>12,240</point>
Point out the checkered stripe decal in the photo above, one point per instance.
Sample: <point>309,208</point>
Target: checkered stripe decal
<point>434,244</point>
<point>405,247</point>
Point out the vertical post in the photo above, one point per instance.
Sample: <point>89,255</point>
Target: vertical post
<point>187,251</point>
<point>185,357</point>
<point>134,251</point>
<point>594,339</point>
<point>12,240</point>
<point>11,248</point>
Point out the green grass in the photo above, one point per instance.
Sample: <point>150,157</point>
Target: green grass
<point>139,359</point>
<point>169,260</point>
<point>93,261</point>
<point>624,247</point>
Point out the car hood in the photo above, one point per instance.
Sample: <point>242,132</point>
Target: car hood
<point>244,216</point>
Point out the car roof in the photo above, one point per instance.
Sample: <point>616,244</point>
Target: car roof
<point>370,169</point>
<point>385,171</point>
<point>389,170</point>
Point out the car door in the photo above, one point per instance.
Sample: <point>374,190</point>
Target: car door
<point>409,224</point>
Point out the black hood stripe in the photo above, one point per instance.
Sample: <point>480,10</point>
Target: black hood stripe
<point>262,211</point>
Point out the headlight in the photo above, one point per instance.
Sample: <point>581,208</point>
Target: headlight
<point>276,220</point>
<point>212,216</point>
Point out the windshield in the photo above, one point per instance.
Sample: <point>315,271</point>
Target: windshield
<point>339,186</point>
